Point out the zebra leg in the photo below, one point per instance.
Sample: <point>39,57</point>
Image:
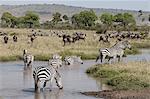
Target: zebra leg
<point>44,85</point>
<point>103,58</point>
<point>97,58</point>
<point>120,58</point>
<point>109,59</point>
<point>25,64</point>
<point>51,83</point>
<point>37,86</point>
<point>114,58</point>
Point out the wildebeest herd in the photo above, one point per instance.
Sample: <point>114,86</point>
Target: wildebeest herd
<point>66,38</point>
<point>50,72</point>
<point>121,36</point>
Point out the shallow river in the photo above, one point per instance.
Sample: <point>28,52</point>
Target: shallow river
<point>17,82</point>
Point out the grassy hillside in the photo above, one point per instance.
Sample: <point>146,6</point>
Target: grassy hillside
<point>46,10</point>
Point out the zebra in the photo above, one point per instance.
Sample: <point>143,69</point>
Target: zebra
<point>27,58</point>
<point>56,63</point>
<point>56,56</point>
<point>44,74</point>
<point>114,51</point>
<point>69,60</point>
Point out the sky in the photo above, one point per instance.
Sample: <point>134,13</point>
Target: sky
<point>115,4</point>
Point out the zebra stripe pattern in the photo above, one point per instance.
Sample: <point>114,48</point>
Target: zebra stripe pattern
<point>45,74</point>
<point>56,56</point>
<point>27,58</point>
<point>70,60</point>
<point>114,51</point>
<point>56,63</point>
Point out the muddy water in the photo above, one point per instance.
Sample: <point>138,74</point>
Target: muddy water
<point>17,82</point>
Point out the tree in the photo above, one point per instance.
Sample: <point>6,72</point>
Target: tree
<point>65,17</point>
<point>76,20</point>
<point>107,19</point>
<point>56,18</point>
<point>31,19</point>
<point>6,19</point>
<point>125,19</point>
<point>84,18</point>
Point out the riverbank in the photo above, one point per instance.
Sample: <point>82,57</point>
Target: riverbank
<point>123,76</point>
<point>127,80</point>
<point>112,94</point>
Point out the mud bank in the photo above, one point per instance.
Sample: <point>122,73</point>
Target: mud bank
<point>112,94</point>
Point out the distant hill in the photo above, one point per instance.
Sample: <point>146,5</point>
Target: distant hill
<point>46,10</point>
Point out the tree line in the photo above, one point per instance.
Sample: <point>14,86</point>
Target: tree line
<point>83,20</point>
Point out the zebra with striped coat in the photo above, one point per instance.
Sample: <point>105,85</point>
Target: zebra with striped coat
<point>56,61</point>
<point>43,74</point>
<point>70,60</point>
<point>114,51</point>
<point>27,58</point>
<point>56,56</point>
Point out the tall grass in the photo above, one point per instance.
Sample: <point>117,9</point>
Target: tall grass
<point>44,47</point>
<point>123,76</point>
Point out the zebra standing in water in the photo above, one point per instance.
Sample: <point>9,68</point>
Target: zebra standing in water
<point>69,60</point>
<point>56,61</point>
<point>114,51</point>
<point>27,58</point>
<point>42,75</point>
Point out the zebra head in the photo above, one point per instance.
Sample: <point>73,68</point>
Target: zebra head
<point>78,59</point>
<point>56,56</point>
<point>24,51</point>
<point>58,80</point>
<point>127,44</point>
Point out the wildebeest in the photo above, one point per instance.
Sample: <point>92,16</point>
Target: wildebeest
<point>78,35</point>
<point>67,39</point>
<point>104,38</point>
<point>6,39</point>
<point>15,38</point>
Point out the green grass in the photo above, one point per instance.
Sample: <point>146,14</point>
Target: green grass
<point>121,76</point>
<point>10,58</point>
<point>126,81</point>
<point>46,57</point>
<point>133,51</point>
<point>141,44</point>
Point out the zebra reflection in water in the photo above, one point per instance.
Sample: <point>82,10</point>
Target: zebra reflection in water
<point>55,94</point>
<point>114,51</point>
<point>27,76</point>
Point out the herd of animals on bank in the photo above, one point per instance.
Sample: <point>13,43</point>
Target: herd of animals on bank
<point>49,73</point>
<point>76,36</point>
